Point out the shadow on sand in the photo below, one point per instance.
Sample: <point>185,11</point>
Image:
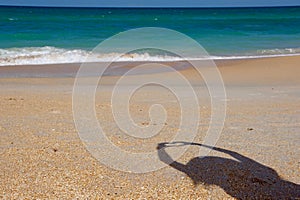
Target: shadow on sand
<point>242,179</point>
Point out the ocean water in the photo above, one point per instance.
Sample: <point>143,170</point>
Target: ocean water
<point>64,35</point>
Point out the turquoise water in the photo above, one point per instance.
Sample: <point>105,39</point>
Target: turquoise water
<point>41,35</point>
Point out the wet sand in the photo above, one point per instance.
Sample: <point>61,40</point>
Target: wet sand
<point>256,156</point>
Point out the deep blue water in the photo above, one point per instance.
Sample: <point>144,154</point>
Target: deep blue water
<point>222,32</point>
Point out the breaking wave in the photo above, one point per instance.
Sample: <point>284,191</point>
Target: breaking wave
<point>53,55</point>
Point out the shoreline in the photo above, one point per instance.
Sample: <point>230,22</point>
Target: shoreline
<point>269,71</point>
<point>159,60</point>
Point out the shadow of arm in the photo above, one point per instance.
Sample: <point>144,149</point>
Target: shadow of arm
<point>233,154</point>
<point>164,157</point>
<point>239,157</point>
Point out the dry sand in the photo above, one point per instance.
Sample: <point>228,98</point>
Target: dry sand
<point>43,157</point>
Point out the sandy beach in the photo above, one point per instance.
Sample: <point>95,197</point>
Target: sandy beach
<point>256,156</point>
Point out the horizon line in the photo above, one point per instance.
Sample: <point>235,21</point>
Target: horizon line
<point>154,7</point>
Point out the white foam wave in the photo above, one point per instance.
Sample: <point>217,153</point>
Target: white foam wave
<point>12,19</point>
<point>279,51</point>
<point>40,55</point>
<point>52,55</point>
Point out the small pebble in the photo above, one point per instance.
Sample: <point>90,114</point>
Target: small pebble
<point>55,112</point>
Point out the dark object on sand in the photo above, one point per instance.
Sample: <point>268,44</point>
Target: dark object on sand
<point>242,178</point>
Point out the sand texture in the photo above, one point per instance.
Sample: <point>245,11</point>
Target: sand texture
<point>256,157</point>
